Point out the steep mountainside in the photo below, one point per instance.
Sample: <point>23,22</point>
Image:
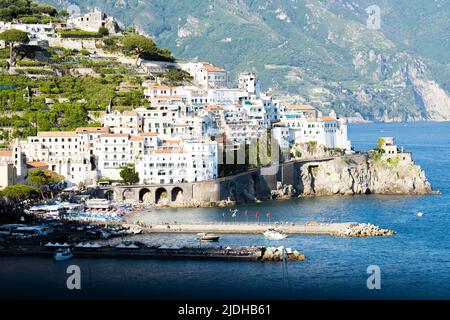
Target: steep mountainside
<point>318,51</point>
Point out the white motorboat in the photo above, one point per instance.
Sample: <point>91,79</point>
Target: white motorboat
<point>273,234</point>
<point>208,237</point>
<point>420,214</point>
<point>63,254</point>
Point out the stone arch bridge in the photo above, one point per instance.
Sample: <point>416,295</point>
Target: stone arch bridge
<point>148,193</point>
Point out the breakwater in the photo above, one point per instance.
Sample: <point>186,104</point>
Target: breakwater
<point>349,229</point>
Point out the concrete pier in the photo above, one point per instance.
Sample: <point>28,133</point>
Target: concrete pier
<point>325,229</point>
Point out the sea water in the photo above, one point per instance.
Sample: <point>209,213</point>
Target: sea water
<point>414,264</point>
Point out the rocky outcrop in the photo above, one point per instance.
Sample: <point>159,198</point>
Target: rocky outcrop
<point>363,174</point>
<point>278,254</point>
<point>283,191</point>
<point>433,98</point>
<point>365,230</point>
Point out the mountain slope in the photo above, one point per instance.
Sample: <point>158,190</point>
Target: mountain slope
<point>316,51</point>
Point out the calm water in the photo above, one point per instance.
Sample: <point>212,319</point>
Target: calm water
<point>415,263</point>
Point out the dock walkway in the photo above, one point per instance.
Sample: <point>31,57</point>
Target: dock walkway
<point>319,229</point>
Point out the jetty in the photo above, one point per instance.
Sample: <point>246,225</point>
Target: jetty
<point>248,254</point>
<point>332,229</point>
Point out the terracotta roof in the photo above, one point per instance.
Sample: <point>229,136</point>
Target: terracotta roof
<point>56,134</point>
<point>149,134</point>
<point>214,107</point>
<point>37,164</point>
<point>161,88</point>
<point>92,130</point>
<point>112,135</point>
<point>172,142</point>
<point>211,68</point>
<point>6,153</point>
<point>136,138</point>
<point>327,118</point>
<point>167,151</point>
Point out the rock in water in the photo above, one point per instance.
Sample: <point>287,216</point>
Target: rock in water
<point>362,174</point>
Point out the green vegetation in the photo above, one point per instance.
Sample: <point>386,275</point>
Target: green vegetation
<point>13,37</point>
<point>44,179</point>
<point>61,89</point>
<point>144,48</point>
<point>177,77</point>
<point>79,34</point>
<point>393,162</point>
<point>103,31</point>
<point>311,146</point>
<point>19,192</point>
<point>376,155</point>
<point>25,10</point>
<point>129,174</point>
<point>12,201</point>
<point>46,93</point>
<point>380,143</point>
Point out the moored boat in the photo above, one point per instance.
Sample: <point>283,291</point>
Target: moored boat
<point>208,237</point>
<point>63,254</point>
<point>274,234</point>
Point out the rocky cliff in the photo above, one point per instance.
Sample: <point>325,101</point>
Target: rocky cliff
<point>363,174</point>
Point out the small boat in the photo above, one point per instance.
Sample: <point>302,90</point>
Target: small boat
<point>63,254</point>
<point>127,245</point>
<point>420,214</point>
<point>208,237</point>
<point>273,234</point>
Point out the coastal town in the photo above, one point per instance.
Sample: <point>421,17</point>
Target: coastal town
<point>204,140</point>
<point>177,136</point>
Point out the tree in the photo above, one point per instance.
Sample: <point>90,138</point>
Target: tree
<point>44,178</point>
<point>103,31</point>
<point>13,37</point>
<point>12,199</point>
<point>129,175</point>
<point>139,45</point>
<point>81,186</point>
<point>19,192</point>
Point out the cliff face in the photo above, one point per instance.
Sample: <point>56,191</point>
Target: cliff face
<point>363,174</point>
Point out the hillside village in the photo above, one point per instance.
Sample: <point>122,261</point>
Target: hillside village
<point>86,99</point>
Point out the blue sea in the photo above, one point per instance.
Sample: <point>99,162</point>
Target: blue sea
<point>414,264</point>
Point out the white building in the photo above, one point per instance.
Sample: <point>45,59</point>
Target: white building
<point>304,126</point>
<point>179,161</point>
<point>8,172</point>
<point>113,154</point>
<point>37,32</point>
<point>205,74</point>
<point>66,153</point>
<point>93,21</point>
<point>248,82</point>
